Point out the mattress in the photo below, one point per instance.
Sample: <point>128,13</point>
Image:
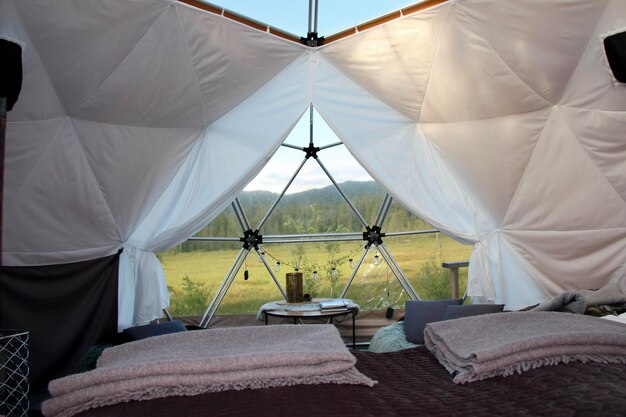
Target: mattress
<point>411,383</point>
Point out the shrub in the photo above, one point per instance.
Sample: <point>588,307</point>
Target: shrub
<point>434,280</point>
<point>190,300</point>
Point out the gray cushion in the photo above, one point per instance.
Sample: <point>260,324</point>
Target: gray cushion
<point>455,312</point>
<point>417,314</point>
<point>149,330</point>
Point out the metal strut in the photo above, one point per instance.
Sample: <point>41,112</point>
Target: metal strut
<point>253,239</point>
<point>311,38</point>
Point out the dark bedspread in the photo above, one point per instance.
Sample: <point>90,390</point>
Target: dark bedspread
<point>411,383</point>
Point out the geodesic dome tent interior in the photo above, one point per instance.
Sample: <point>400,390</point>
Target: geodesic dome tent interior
<point>499,122</point>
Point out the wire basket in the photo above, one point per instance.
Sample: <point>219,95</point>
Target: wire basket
<point>13,373</point>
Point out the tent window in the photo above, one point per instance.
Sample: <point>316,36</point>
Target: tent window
<point>367,240</point>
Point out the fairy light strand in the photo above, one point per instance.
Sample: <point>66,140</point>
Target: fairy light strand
<point>349,259</point>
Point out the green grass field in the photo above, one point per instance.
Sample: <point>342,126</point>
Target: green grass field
<point>194,277</point>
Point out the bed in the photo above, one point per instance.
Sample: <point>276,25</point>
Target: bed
<point>411,382</point>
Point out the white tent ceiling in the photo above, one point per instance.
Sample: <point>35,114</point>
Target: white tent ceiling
<point>497,121</point>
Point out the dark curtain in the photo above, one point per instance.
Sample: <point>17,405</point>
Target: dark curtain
<point>66,308</point>
<point>10,71</point>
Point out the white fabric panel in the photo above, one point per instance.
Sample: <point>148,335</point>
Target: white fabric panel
<point>235,152</point>
<point>143,161</point>
<point>583,259</point>
<point>601,134</point>
<point>517,284</point>
<point>591,86</point>
<point>38,99</point>
<point>396,153</point>
<point>26,144</point>
<point>163,92</point>
<point>228,155</point>
<point>523,34</point>
<point>10,25</point>
<point>562,189</point>
<point>143,292</point>
<point>58,214</point>
<point>489,133</point>
<point>492,175</point>
<point>237,61</point>
<point>137,163</point>
<point>79,37</point>
<point>485,259</point>
<point>393,62</point>
<point>498,274</point>
<point>468,80</point>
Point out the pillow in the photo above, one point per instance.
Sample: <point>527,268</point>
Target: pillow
<point>417,314</point>
<point>149,330</point>
<point>456,312</point>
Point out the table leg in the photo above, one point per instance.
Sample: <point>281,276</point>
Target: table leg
<point>353,332</point>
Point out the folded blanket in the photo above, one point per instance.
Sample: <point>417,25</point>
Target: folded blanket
<point>613,292</point>
<point>568,301</point>
<point>480,347</point>
<point>191,363</point>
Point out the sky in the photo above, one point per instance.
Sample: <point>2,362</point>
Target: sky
<point>292,16</point>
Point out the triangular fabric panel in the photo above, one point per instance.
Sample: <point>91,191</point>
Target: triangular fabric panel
<point>26,145</point>
<point>393,61</point>
<point>230,60</point>
<point>601,134</point>
<point>562,189</point>
<point>591,258</point>
<point>38,99</point>
<point>153,86</point>
<point>592,86</point>
<point>490,172</point>
<point>79,37</point>
<point>59,214</point>
<point>523,34</point>
<point>229,155</point>
<point>469,80</point>
<point>133,165</point>
<point>394,151</point>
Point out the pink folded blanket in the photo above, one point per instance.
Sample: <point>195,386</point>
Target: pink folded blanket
<point>502,344</point>
<point>191,363</point>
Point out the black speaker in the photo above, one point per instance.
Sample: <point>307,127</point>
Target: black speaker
<point>615,48</point>
<point>10,71</point>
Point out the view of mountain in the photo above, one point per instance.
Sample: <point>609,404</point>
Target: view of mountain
<point>321,210</point>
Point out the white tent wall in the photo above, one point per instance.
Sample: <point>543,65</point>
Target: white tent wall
<point>502,126</point>
<point>497,121</point>
<point>133,132</point>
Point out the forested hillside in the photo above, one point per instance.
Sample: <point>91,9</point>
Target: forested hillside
<point>314,211</point>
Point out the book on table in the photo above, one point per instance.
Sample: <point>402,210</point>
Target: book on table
<point>338,304</point>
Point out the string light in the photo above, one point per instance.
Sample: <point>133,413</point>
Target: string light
<point>338,262</point>
<point>316,276</point>
<point>277,266</point>
<point>334,273</point>
<point>376,259</point>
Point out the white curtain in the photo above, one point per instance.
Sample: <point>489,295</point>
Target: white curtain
<point>501,124</point>
<point>136,125</point>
